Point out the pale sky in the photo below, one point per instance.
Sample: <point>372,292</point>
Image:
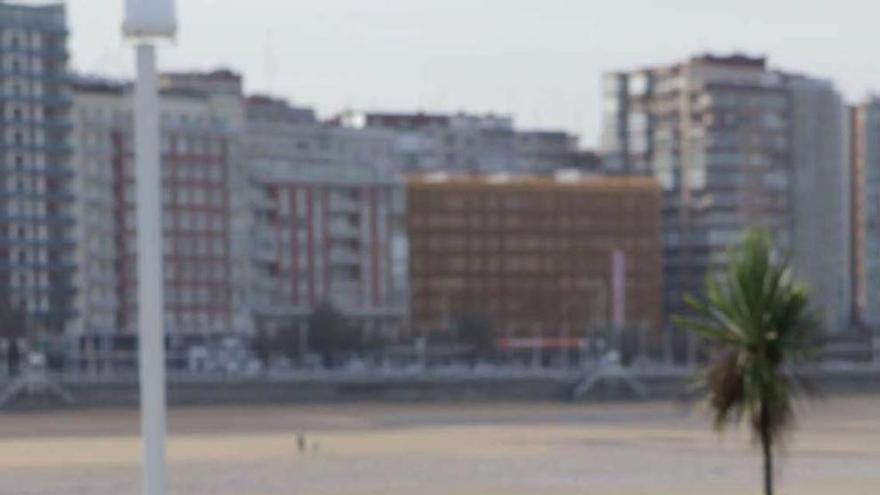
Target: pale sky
<point>539,60</point>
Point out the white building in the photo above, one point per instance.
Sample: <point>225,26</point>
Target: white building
<point>736,144</point>
<point>865,172</point>
<point>822,196</point>
<point>200,167</point>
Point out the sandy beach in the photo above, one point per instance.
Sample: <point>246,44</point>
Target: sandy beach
<point>448,449</point>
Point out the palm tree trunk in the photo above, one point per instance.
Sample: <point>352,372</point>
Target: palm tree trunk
<point>767,448</point>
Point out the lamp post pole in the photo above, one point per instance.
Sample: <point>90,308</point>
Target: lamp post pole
<point>146,23</point>
<point>150,249</point>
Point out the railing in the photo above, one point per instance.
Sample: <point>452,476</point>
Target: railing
<point>415,374</point>
<point>341,205</point>
<point>340,256</point>
<point>343,230</point>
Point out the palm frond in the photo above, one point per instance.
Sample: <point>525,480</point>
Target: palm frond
<point>756,314</point>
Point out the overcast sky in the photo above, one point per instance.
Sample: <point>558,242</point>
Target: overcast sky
<point>538,59</point>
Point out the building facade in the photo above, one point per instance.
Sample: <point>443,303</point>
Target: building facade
<point>327,211</point>
<point>822,193</point>
<point>735,144</point>
<point>199,162</point>
<point>532,254</point>
<point>865,173</point>
<point>329,235</point>
<point>36,249</point>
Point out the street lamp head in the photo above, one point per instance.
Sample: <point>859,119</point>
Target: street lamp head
<point>149,19</point>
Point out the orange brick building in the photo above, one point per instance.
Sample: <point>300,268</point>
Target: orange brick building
<point>532,254</point>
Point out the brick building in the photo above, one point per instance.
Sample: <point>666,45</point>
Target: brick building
<point>532,254</point>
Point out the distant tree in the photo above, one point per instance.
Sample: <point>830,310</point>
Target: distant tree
<point>280,341</point>
<point>330,333</point>
<point>474,329</point>
<point>13,326</point>
<point>264,345</point>
<point>13,323</point>
<point>756,318</point>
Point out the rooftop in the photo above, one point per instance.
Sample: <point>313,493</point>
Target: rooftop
<point>45,15</point>
<point>733,60</point>
<point>562,180</point>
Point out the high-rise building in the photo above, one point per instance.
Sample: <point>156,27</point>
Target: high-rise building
<point>471,143</point>
<point>821,188</point>
<point>36,249</point>
<point>329,235</point>
<point>865,173</point>
<point>736,144</point>
<point>532,254</point>
<point>199,140</point>
<point>327,220</point>
<point>223,92</point>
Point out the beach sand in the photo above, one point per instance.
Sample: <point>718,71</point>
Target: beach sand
<point>448,449</point>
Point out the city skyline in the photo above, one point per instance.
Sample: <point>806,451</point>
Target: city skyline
<point>405,63</point>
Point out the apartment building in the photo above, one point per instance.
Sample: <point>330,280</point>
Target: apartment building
<point>36,249</point>
<point>329,235</point>
<point>533,254</point>
<point>327,220</point>
<point>865,231</point>
<point>821,194</point>
<point>279,130</point>
<point>424,142</point>
<point>737,144</point>
<point>199,129</point>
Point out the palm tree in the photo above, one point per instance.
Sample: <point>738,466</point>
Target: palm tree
<point>755,316</point>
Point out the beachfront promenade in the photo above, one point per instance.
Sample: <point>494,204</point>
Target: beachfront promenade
<point>431,384</point>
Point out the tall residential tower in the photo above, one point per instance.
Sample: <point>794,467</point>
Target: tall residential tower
<point>36,249</point>
<point>736,144</point>
<point>865,172</point>
<point>200,128</point>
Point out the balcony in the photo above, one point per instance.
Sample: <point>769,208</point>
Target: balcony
<point>52,148</point>
<point>51,266</point>
<point>344,257</point>
<point>52,219</point>
<point>57,243</point>
<point>55,100</point>
<point>344,230</point>
<point>262,201</point>
<point>60,196</point>
<point>339,204</point>
<point>265,248</point>
<point>50,123</point>
<point>58,76</point>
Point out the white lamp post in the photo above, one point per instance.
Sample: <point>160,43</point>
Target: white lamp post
<point>146,22</point>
